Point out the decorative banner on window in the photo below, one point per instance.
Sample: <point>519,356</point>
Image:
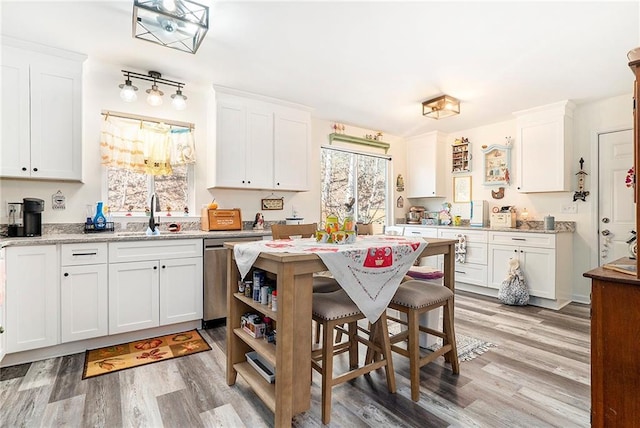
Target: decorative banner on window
<point>58,201</point>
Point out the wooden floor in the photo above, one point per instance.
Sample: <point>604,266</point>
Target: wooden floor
<point>537,376</point>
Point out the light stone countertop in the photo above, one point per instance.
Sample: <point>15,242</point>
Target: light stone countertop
<point>72,238</point>
<point>528,227</point>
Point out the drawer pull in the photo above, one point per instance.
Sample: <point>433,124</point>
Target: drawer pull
<point>84,254</point>
<point>518,239</point>
<point>460,271</point>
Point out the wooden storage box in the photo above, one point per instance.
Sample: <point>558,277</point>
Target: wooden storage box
<point>220,219</point>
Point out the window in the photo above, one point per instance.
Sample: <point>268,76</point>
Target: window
<point>363,177</point>
<point>143,156</point>
<point>129,191</point>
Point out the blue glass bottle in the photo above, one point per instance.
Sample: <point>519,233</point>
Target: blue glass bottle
<point>99,221</point>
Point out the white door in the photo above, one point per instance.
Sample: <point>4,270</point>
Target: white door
<point>32,297</point>
<point>616,212</point>
<point>83,302</point>
<point>180,290</point>
<point>539,269</point>
<point>134,302</point>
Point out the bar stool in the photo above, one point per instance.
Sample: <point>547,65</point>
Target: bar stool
<point>321,284</point>
<point>333,310</point>
<point>415,298</point>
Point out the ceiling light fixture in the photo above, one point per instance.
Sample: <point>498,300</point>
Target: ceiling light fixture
<point>442,106</point>
<point>176,24</point>
<point>154,97</point>
<point>128,92</point>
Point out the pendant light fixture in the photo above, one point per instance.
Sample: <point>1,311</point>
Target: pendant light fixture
<point>128,92</point>
<point>442,106</point>
<point>179,101</point>
<point>154,97</point>
<point>176,24</point>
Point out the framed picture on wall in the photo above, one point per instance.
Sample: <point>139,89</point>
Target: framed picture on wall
<point>462,189</point>
<point>497,165</point>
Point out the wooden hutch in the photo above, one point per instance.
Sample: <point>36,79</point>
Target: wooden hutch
<point>615,321</point>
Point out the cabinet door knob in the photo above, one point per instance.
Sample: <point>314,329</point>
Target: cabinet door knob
<point>163,266</point>
<point>66,274</point>
<point>515,251</point>
<point>35,169</point>
<point>24,168</point>
<point>155,267</point>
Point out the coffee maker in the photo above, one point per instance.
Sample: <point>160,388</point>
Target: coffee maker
<point>31,218</point>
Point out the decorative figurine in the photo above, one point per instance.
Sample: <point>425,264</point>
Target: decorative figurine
<point>400,183</point>
<point>499,194</point>
<point>581,193</point>
<point>258,223</point>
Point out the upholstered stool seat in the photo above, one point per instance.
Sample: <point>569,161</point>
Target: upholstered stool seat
<point>333,310</point>
<point>414,298</point>
<point>416,294</point>
<point>325,284</point>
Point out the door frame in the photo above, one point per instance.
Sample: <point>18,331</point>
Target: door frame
<point>595,188</point>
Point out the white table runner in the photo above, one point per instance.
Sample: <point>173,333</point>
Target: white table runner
<point>369,270</point>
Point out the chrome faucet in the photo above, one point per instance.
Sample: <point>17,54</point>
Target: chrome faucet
<point>154,207</point>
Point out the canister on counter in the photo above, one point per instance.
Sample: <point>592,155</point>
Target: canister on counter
<point>549,223</point>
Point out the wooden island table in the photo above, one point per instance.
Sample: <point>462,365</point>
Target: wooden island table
<point>290,394</point>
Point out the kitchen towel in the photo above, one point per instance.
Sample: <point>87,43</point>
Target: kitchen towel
<point>369,270</point>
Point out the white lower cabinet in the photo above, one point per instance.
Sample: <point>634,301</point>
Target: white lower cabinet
<point>149,291</point>
<point>537,264</point>
<point>83,291</point>
<point>33,307</point>
<point>134,296</point>
<point>545,260</point>
<point>425,232</point>
<point>474,268</point>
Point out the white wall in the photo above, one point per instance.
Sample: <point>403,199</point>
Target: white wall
<point>589,119</point>
<point>101,92</point>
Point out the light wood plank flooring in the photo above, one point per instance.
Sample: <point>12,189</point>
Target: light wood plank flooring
<point>537,376</point>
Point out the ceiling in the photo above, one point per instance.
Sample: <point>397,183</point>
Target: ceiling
<point>371,64</point>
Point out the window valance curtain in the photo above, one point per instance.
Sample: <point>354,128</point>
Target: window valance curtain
<point>145,147</point>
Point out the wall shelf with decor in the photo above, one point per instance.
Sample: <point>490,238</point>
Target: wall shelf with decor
<point>358,140</point>
<point>461,156</point>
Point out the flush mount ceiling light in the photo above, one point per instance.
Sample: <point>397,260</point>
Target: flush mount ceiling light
<point>154,97</point>
<point>442,106</point>
<point>176,24</point>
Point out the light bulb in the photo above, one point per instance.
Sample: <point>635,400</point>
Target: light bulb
<point>128,92</point>
<point>179,101</point>
<point>169,5</point>
<point>155,96</point>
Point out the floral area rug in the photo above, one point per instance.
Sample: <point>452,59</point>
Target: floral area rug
<point>468,347</point>
<point>111,359</point>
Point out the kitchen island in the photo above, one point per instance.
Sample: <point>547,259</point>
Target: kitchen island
<point>292,356</point>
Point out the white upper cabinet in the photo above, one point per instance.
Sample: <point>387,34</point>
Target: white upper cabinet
<point>544,137</point>
<point>260,143</point>
<point>41,113</point>
<point>426,166</point>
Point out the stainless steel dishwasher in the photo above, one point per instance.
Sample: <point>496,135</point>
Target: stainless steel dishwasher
<point>215,279</point>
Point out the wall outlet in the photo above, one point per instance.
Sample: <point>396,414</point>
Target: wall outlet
<point>571,208</point>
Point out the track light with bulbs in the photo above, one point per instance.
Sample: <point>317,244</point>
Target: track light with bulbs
<point>154,94</point>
